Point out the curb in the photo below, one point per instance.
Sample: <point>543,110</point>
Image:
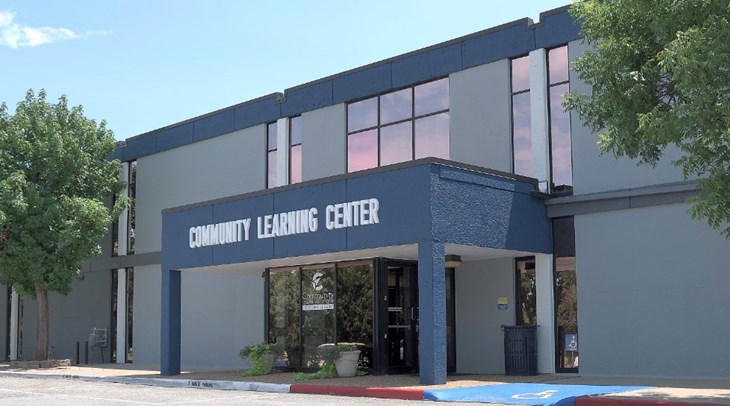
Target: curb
<point>178,383</point>
<point>618,401</point>
<point>358,391</point>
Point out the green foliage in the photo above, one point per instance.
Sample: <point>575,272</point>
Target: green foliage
<point>658,70</point>
<point>260,357</point>
<point>54,177</point>
<point>329,354</point>
<point>326,371</point>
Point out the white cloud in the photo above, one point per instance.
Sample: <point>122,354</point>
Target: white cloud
<point>14,35</point>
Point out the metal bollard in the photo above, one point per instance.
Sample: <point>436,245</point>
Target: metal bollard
<point>86,351</point>
<point>77,352</point>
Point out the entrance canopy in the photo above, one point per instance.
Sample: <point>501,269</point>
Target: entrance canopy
<point>424,200</point>
<point>422,210</point>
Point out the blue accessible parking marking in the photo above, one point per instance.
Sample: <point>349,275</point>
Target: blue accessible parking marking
<point>524,393</point>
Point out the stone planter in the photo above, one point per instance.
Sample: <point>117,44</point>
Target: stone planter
<point>346,363</point>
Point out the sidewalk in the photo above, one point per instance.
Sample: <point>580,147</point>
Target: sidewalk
<point>660,391</point>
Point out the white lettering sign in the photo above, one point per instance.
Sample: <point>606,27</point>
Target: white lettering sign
<point>337,216</point>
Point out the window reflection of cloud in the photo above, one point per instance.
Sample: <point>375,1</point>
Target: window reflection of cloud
<point>520,74</point>
<point>362,114</point>
<point>362,150</point>
<point>432,96</point>
<point>395,143</point>
<point>560,137</point>
<point>521,133</point>
<point>296,164</point>
<point>296,131</point>
<point>396,106</point>
<point>272,169</point>
<point>271,137</point>
<point>432,136</point>
<point>558,64</point>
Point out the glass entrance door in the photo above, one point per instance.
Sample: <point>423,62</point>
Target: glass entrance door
<point>401,340</point>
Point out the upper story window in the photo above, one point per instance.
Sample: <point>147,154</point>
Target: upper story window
<point>271,177</point>
<point>295,150</point>
<point>560,147</point>
<point>521,132</point>
<point>399,126</point>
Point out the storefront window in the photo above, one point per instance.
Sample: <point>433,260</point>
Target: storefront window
<point>566,294</point>
<point>526,291</point>
<point>355,306</point>
<point>318,311</point>
<point>284,309</point>
<point>305,302</point>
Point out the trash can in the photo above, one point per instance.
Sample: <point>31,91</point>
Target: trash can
<point>520,350</point>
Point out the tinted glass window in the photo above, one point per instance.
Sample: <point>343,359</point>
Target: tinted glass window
<point>399,126</point>
<point>558,65</point>
<point>318,311</point>
<point>560,137</point>
<point>395,143</point>
<point>362,150</point>
<point>432,136</point>
<point>295,157</point>
<point>284,309</point>
<point>271,169</point>
<point>271,137</point>
<point>396,106</point>
<point>432,97</point>
<point>520,74</point>
<point>271,156</point>
<point>363,114</point>
<point>522,138</point>
<point>295,130</point>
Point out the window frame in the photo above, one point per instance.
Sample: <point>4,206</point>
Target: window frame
<point>412,119</point>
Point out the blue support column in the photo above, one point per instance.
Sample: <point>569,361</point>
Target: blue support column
<point>432,313</point>
<point>170,326</point>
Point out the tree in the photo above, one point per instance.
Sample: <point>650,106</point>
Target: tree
<point>660,77</point>
<point>54,175</point>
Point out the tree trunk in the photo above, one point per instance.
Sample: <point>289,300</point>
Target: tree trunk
<point>41,342</point>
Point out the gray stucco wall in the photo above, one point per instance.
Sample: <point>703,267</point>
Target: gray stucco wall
<point>595,173</point>
<point>218,167</point>
<point>26,348</point>
<point>73,316</point>
<point>147,315</point>
<point>324,148</point>
<point>480,116</point>
<point>653,294</point>
<point>221,313</point>
<point>479,337</point>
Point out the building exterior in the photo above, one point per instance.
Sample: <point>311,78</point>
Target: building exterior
<point>415,205</point>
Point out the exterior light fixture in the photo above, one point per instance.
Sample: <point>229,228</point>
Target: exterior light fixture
<point>452,261</point>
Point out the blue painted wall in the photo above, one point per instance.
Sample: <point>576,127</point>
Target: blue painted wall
<point>419,201</point>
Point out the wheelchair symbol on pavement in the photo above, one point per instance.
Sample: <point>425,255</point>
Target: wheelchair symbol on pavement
<point>536,395</point>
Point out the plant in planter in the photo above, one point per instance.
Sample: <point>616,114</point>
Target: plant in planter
<point>261,358</point>
<point>344,356</point>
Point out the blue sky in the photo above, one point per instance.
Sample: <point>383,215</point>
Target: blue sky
<point>142,65</point>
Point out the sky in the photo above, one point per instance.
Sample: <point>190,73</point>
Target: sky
<point>143,65</point>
